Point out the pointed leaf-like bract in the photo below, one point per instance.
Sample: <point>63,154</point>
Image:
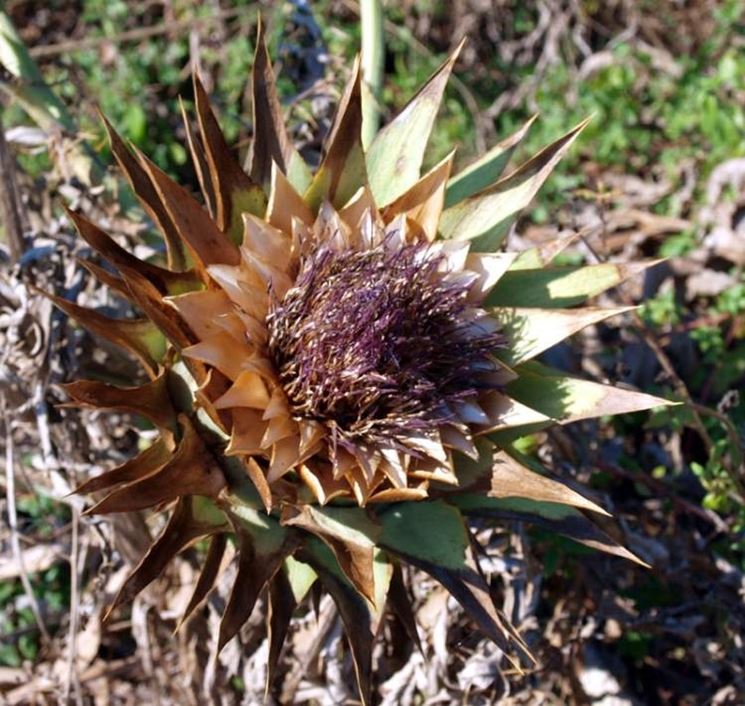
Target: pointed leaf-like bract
<point>568,399</point>
<point>400,604</point>
<point>556,287</point>
<point>556,517</point>
<point>395,155</point>
<point>153,458</point>
<point>208,244</point>
<point>433,536</point>
<point>207,576</point>
<point>342,172</point>
<point>191,520</point>
<point>150,400</point>
<point>544,254</point>
<point>287,589</point>
<point>166,281</point>
<point>235,192</point>
<point>199,160</point>
<point>511,479</point>
<point>360,623</point>
<point>150,300</point>
<point>263,545</point>
<point>485,218</point>
<point>146,193</point>
<point>485,170</point>
<point>533,331</point>
<point>280,608</point>
<point>141,337</point>
<point>424,200</point>
<point>113,282</point>
<point>349,533</point>
<point>271,142</point>
<point>191,471</point>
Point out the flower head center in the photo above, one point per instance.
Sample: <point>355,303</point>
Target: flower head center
<point>379,343</point>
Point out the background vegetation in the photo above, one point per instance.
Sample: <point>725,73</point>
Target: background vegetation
<point>660,172</point>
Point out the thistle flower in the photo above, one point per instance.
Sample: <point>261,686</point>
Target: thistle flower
<point>339,363</point>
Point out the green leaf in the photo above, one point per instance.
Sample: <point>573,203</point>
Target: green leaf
<point>556,517</point>
<point>532,331</point>
<point>395,155</point>
<point>568,399</point>
<point>542,255</point>
<point>485,170</point>
<point>486,217</point>
<point>300,577</point>
<point>558,287</point>
<point>432,532</point>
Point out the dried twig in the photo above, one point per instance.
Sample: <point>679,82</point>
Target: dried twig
<point>13,524</point>
<point>72,678</point>
<point>9,208</point>
<point>136,35</point>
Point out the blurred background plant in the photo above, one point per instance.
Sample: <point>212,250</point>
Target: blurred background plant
<point>660,171</point>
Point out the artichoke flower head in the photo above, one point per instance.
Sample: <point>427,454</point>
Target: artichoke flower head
<point>339,362</point>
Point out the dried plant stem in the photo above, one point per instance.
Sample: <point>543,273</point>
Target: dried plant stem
<point>189,24</point>
<point>72,678</point>
<point>15,543</point>
<point>10,212</point>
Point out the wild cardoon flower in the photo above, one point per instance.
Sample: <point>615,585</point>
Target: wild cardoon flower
<point>340,362</point>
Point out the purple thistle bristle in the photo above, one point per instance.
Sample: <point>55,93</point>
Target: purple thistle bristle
<point>377,344</point>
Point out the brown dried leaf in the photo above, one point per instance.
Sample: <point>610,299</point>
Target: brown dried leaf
<point>166,282</point>
<point>207,243</point>
<point>360,623</point>
<point>186,525</point>
<point>275,145</point>
<point>343,170</point>
<point>116,284</point>
<point>350,534</point>
<point>235,192</point>
<point>146,193</point>
<point>263,545</point>
<point>199,160</point>
<point>191,471</point>
<point>210,569</point>
<point>151,400</point>
<point>401,605</point>
<point>511,479</point>
<point>140,337</point>
<point>153,458</point>
<point>281,606</point>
